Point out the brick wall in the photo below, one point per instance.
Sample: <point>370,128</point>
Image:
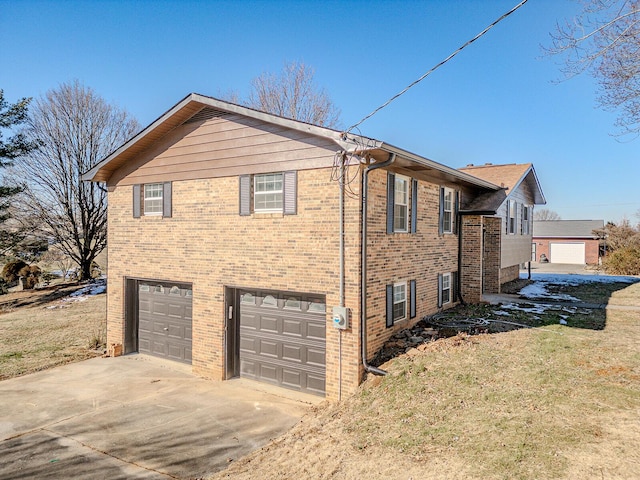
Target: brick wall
<point>472,258</point>
<point>491,254</point>
<point>508,274</point>
<point>399,257</point>
<point>208,244</point>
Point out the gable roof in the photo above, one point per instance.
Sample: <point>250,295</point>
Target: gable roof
<point>194,106</point>
<point>566,228</point>
<point>509,177</point>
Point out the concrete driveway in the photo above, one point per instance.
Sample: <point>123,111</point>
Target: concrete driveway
<point>135,417</point>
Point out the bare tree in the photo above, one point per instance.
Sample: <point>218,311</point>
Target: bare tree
<point>604,40</point>
<point>545,214</point>
<point>76,128</point>
<point>293,94</point>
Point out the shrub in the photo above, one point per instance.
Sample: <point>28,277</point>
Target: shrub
<point>31,276</point>
<point>11,271</point>
<point>624,261</point>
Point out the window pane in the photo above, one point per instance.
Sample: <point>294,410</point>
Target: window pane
<point>446,296</point>
<point>317,307</point>
<point>401,191</point>
<point>293,303</point>
<point>399,310</point>
<point>447,200</point>
<point>447,221</point>
<point>400,217</point>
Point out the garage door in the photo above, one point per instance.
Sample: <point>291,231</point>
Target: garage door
<point>164,320</point>
<point>282,339</point>
<point>567,253</point>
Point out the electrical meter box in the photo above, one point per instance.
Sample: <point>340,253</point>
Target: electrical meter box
<point>341,318</point>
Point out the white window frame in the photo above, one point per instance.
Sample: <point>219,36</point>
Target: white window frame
<point>511,217</point>
<point>452,195</point>
<point>257,195</point>
<point>446,287</point>
<point>147,199</point>
<point>400,298</point>
<point>401,203</point>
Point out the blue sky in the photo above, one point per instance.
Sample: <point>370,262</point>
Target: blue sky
<point>495,102</point>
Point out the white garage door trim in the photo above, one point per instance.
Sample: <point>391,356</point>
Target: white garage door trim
<point>570,252</point>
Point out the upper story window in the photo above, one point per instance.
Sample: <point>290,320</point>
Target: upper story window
<point>152,199</point>
<point>526,214</point>
<point>511,217</point>
<point>269,193</point>
<point>448,208</point>
<point>401,204</point>
<point>401,218</point>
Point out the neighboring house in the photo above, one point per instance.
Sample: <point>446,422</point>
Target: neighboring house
<point>513,209</point>
<point>566,241</point>
<point>238,244</point>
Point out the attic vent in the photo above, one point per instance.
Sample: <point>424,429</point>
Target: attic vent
<point>207,113</point>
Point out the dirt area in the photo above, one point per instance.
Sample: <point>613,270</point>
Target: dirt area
<point>552,402</point>
<point>40,329</point>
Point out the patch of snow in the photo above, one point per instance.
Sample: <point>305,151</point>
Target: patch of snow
<point>534,308</point>
<point>574,279</point>
<point>563,321</point>
<point>502,313</point>
<point>539,290</point>
<point>96,288</point>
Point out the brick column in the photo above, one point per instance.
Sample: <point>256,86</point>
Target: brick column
<point>471,265</point>
<point>491,254</point>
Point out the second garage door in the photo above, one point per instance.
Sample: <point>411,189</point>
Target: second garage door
<point>282,339</point>
<point>567,253</point>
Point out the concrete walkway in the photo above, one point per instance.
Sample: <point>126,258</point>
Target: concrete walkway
<point>135,417</point>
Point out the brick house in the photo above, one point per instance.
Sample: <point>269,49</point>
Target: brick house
<point>567,241</point>
<point>238,244</point>
<point>509,232</point>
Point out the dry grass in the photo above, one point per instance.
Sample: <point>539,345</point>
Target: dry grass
<point>34,336</point>
<point>553,403</point>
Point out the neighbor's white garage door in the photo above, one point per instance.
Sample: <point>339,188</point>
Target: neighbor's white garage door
<point>567,253</point>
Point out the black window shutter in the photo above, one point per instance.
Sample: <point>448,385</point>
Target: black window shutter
<point>389,306</point>
<point>454,216</point>
<point>414,205</point>
<point>136,201</point>
<point>166,200</point>
<point>245,195</point>
<point>412,299</point>
<point>290,192</point>
<point>441,214</point>
<point>391,193</point>
<point>455,286</point>
<point>439,290</point>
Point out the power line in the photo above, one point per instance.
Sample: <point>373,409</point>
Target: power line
<point>437,66</point>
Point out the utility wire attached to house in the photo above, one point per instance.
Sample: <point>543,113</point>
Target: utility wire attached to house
<point>436,67</point>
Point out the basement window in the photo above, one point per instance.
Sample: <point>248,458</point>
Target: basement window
<point>399,301</point>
